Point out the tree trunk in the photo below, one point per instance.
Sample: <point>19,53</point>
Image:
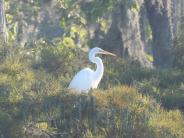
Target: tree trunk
<point>124,36</point>
<point>2,21</point>
<point>160,18</point>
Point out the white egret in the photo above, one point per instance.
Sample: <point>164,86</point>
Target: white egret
<point>87,79</point>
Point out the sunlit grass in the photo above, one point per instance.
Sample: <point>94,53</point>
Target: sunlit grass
<point>128,102</point>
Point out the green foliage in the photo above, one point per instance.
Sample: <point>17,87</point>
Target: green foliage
<point>149,57</point>
<point>159,86</point>
<point>149,32</point>
<point>33,96</point>
<point>167,124</point>
<point>96,9</point>
<point>135,7</point>
<point>58,60</point>
<point>120,111</point>
<point>178,52</point>
<point>163,85</point>
<point>38,103</point>
<point>126,71</point>
<point>104,24</point>
<point>130,102</point>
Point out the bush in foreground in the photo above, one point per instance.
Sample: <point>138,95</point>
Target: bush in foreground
<point>116,112</point>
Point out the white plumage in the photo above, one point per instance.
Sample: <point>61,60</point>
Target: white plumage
<point>87,79</point>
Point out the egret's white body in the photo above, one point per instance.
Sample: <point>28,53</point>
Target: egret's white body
<point>87,79</point>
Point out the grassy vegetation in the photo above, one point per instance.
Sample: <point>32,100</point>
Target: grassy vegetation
<point>131,102</point>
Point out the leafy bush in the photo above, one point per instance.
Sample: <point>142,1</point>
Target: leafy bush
<point>162,84</point>
<point>39,105</point>
<point>117,112</point>
<point>178,52</point>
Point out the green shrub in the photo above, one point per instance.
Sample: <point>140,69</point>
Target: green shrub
<point>178,52</point>
<point>34,101</point>
<point>119,112</point>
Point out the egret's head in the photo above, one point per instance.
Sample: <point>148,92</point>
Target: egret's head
<point>97,50</point>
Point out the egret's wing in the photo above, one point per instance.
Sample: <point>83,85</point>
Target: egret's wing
<point>82,81</point>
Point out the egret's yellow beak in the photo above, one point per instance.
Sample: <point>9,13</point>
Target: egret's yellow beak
<point>107,53</point>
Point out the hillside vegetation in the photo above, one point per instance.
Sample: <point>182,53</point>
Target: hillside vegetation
<point>141,94</point>
<point>131,101</point>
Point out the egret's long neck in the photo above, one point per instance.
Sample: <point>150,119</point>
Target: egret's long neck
<point>100,68</point>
